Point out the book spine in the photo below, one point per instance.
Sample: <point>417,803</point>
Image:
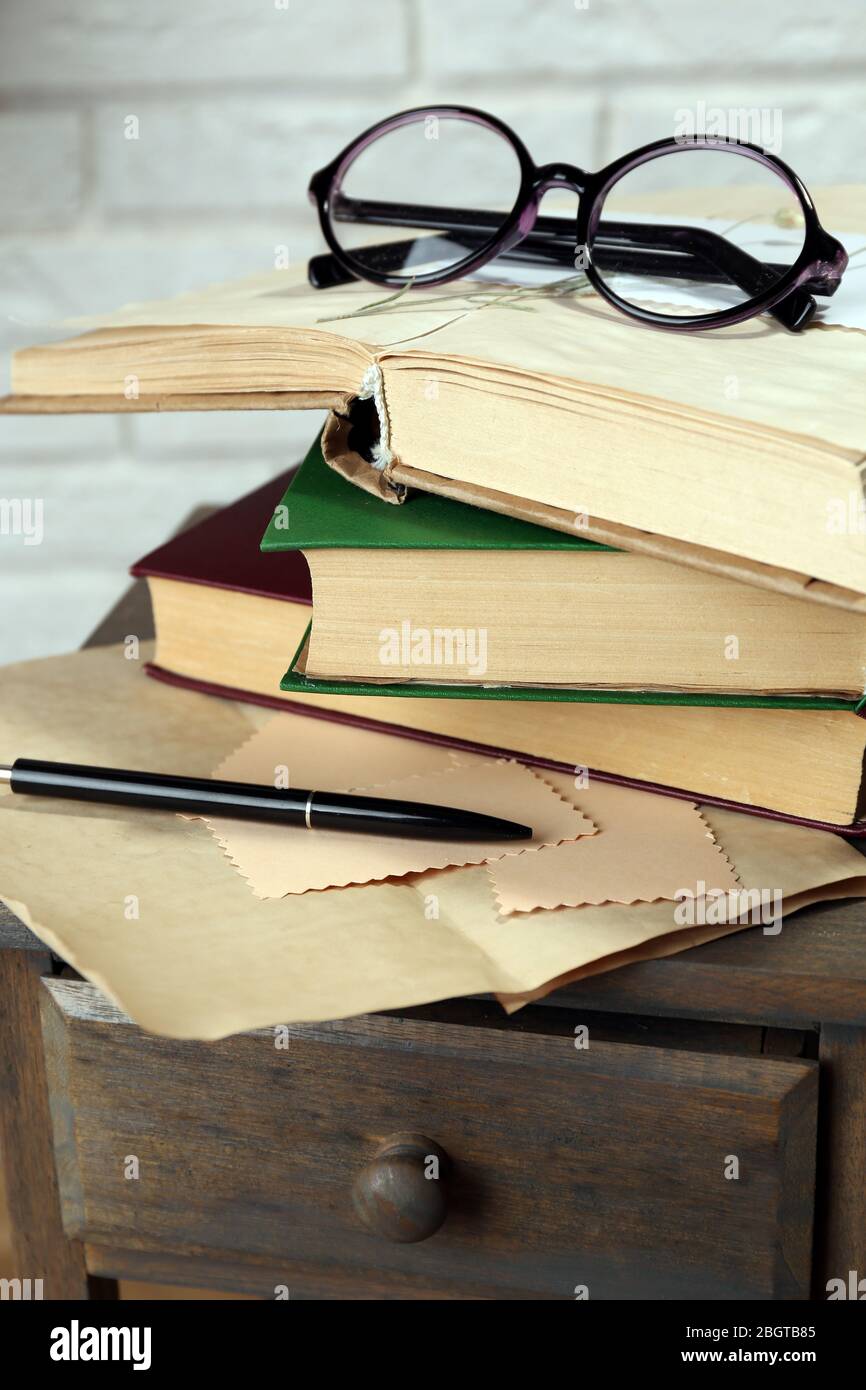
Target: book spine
<point>357,444</point>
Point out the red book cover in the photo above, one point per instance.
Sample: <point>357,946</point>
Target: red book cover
<point>223,551</point>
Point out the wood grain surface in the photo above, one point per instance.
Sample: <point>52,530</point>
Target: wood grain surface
<point>39,1247</point>
<point>602,1167</point>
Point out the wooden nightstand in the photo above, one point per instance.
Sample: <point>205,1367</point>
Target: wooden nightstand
<point>607,1168</point>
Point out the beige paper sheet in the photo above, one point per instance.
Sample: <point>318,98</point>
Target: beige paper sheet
<point>672,945</point>
<point>649,847</point>
<point>278,860</point>
<point>203,959</point>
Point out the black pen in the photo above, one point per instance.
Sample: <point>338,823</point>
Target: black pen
<point>206,796</point>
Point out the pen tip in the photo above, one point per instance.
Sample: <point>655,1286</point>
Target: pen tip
<point>513,830</point>
<point>476,825</point>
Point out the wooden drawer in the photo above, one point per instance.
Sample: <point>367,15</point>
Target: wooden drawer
<point>602,1167</point>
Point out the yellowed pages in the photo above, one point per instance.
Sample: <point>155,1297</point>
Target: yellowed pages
<point>567,618</point>
<point>802,762</point>
<point>798,384</point>
<point>748,441</point>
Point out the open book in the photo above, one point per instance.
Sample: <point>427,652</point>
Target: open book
<point>741,451</point>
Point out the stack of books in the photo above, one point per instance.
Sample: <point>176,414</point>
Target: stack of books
<point>461,626</point>
<point>548,534</point>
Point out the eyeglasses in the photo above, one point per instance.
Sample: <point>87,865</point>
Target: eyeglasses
<point>750,243</point>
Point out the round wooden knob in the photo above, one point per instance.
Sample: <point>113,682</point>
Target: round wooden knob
<point>400,1194</point>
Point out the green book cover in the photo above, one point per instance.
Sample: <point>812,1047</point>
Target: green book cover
<point>299,684</point>
<point>321,509</point>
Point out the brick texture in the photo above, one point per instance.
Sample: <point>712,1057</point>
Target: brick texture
<point>115,43</point>
<point>561,39</point>
<point>41,156</point>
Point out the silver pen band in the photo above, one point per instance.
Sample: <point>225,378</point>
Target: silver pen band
<point>307,809</point>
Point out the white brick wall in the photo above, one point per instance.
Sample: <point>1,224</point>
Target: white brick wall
<point>619,40</point>
<point>237,101</point>
<point>41,159</point>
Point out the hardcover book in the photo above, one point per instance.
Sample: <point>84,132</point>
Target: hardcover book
<point>442,593</point>
<point>228,617</point>
<point>740,452</point>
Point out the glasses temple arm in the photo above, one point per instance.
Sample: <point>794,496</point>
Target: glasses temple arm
<point>326,271</point>
<point>737,265</point>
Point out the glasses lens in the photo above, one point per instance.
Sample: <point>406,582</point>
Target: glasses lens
<point>696,231</point>
<point>424,195</point>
